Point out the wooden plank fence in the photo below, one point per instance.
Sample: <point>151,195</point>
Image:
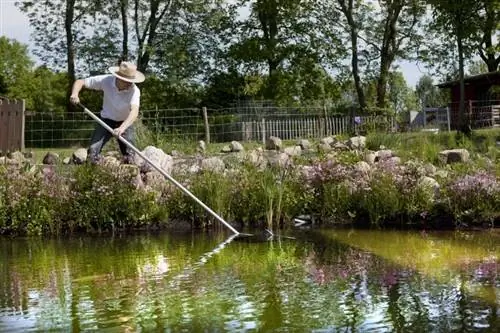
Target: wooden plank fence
<point>11,125</point>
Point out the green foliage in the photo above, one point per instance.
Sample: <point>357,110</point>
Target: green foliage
<point>429,95</point>
<point>474,198</point>
<point>27,205</point>
<point>15,69</point>
<point>120,205</point>
<point>381,200</point>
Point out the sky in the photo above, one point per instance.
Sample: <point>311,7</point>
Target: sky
<point>15,25</point>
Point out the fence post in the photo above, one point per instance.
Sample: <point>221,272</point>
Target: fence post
<point>22,124</point>
<point>323,129</point>
<point>207,128</point>
<point>263,131</point>
<point>469,122</point>
<point>448,118</point>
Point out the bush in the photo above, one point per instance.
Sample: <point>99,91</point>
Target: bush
<point>474,198</point>
<point>106,199</point>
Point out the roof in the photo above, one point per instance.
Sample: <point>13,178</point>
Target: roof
<point>491,77</point>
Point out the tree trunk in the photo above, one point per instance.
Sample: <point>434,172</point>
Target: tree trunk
<point>463,119</point>
<point>489,27</point>
<point>347,9</point>
<point>389,47</point>
<point>267,14</point>
<point>70,50</point>
<point>145,46</point>
<point>123,13</point>
<point>355,71</point>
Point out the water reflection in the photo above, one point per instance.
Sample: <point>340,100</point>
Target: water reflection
<point>332,280</point>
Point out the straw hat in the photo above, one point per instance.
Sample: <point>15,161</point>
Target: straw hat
<point>127,72</point>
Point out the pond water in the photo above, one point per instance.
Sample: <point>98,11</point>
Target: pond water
<point>323,281</point>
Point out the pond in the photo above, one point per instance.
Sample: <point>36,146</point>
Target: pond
<point>321,281</point>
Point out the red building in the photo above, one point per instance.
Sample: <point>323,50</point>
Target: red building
<point>482,99</point>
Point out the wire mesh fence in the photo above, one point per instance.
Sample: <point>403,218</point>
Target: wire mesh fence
<point>46,130</point>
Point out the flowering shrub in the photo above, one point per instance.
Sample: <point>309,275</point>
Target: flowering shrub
<point>474,197</point>
<point>388,191</point>
<point>110,197</point>
<point>105,198</point>
<point>28,205</point>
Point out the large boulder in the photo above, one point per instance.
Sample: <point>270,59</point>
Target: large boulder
<point>357,142</point>
<point>79,156</point>
<point>454,156</point>
<point>236,147</point>
<point>157,156</point>
<point>213,164</point>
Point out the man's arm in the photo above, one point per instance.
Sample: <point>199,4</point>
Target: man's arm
<point>77,87</point>
<point>134,113</point>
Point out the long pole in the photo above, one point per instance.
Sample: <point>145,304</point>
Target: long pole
<point>160,170</point>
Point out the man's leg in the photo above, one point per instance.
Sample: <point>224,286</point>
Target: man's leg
<point>98,140</point>
<point>128,154</point>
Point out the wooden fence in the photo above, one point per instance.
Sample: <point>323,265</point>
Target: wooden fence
<point>11,125</point>
<point>307,127</point>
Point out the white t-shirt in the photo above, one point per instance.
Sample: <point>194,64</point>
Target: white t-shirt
<point>115,104</point>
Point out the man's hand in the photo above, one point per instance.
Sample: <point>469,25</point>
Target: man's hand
<point>74,99</point>
<point>118,131</point>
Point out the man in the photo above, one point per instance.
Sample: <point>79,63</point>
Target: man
<point>120,107</point>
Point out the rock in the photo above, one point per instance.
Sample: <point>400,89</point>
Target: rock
<point>214,164</point>
<point>384,154</point>
<point>363,168</point>
<point>454,156</point>
<point>79,156</point>
<point>175,153</point>
<point>51,158</point>
<point>304,144</point>
<point>329,140</point>
<point>132,171</point>
<point>111,161</point>
<point>226,149</point>
<point>370,157</point>
<point>157,156</point>
<point>357,142</point>
<point>340,146</point>
<point>431,184</point>
<point>256,158</point>
<point>394,160</point>
<point>280,160</point>
<point>236,147</point>
<point>324,148</point>
<point>430,169</point>
<point>154,180</point>
<point>273,143</point>
<point>17,156</point>
<point>202,147</point>
<point>293,151</point>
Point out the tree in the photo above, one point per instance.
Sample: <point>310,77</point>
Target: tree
<point>399,21</point>
<point>15,69</point>
<point>348,9</point>
<point>380,33</point>
<point>402,98</point>
<point>457,19</point>
<point>59,29</point>
<point>428,94</point>
<point>273,38</point>
<point>489,26</point>
<point>148,15</point>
